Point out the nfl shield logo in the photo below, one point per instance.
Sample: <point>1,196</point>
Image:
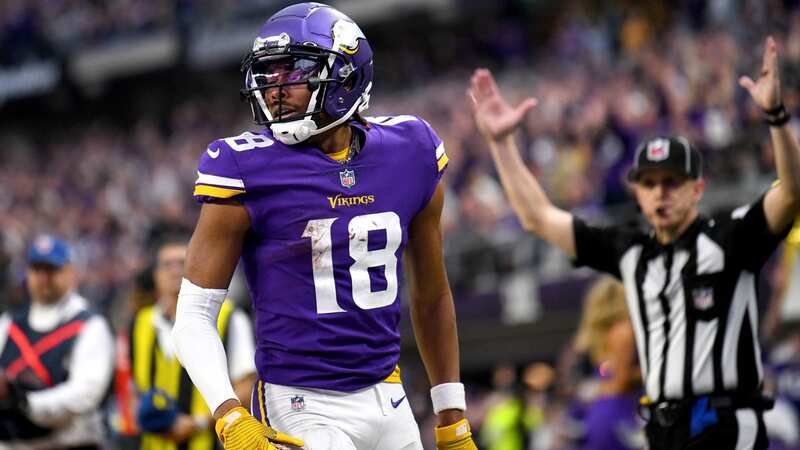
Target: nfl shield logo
<point>347,177</point>
<point>658,150</point>
<point>703,298</point>
<point>298,403</point>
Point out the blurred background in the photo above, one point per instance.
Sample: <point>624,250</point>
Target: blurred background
<point>105,107</point>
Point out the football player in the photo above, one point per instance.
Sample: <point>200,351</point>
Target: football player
<point>320,206</point>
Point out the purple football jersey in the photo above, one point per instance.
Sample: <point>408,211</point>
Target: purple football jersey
<point>611,423</point>
<point>323,256</point>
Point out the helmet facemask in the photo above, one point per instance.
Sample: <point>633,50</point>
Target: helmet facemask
<point>279,67</point>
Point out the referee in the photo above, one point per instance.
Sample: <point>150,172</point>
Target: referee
<point>690,283</point>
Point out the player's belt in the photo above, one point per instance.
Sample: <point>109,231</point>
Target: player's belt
<point>667,413</point>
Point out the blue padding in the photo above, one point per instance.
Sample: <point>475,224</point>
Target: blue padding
<point>702,416</point>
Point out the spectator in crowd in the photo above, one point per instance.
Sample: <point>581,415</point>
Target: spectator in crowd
<point>608,409</point>
<point>56,357</point>
<point>504,426</point>
<point>782,328</point>
<point>171,410</point>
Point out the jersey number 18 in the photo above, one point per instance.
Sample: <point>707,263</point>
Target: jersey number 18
<point>319,231</point>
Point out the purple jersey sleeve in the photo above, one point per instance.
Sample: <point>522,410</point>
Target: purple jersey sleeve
<point>426,147</point>
<point>218,174</point>
<point>439,154</point>
<point>433,154</point>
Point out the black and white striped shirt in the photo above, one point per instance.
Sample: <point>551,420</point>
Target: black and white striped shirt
<point>693,302</point>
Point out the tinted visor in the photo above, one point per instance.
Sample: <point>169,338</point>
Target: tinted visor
<point>272,71</point>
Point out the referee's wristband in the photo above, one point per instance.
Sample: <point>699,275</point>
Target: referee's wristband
<point>448,396</point>
<point>777,116</point>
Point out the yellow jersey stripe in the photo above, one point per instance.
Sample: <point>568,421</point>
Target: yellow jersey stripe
<point>394,377</point>
<point>443,162</point>
<point>217,192</point>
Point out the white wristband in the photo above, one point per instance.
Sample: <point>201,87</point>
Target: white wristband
<point>448,396</point>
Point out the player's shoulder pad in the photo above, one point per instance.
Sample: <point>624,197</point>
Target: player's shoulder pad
<point>234,146</point>
<point>218,172</point>
<point>410,126</point>
<point>394,121</point>
<point>419,132</point>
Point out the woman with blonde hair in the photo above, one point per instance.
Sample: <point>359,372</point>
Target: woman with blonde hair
<point>606,336</point>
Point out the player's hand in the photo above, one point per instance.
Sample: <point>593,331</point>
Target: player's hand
<point>457,436</point>
<point>238,430</point>
<point>183,428</point>
<point>495,117</point>
<point>13,397</point>
<point>766,90</point>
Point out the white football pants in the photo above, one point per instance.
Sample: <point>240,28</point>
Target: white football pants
<point>375,418</point>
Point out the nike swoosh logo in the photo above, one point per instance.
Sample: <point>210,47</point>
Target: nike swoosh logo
<point>395,404</point>
<point>213,154</point>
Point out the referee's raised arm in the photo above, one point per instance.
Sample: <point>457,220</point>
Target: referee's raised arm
<point>690,279</point>
<point>497,120</point>
<point>781,203</point>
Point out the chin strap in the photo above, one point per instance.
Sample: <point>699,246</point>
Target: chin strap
<point>293,132</point>
<point>297,131</point>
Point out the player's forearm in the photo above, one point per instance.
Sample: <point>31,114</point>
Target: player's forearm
<point>435,330</point>
<point>523,190</point>
<point>199,347</point>
<point>787,159</point>
<point>437,340</point>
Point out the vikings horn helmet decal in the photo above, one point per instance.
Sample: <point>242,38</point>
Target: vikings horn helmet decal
<point>314,45</point>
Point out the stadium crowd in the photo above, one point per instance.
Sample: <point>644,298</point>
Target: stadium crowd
<point>604,82</point>
<point>35,29</point>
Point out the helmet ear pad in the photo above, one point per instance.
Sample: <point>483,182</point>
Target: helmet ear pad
<point>350,81</point>
<point>354,75</point>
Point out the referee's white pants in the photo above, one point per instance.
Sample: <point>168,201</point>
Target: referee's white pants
<point>375,418</point>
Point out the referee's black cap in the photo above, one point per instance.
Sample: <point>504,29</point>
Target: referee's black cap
<point>673,153</point>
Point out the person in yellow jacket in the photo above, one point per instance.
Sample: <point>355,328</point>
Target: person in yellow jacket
<point>504,426</point>
<point>790,309</point>
<point>784,309</point>
<point>171,413</point>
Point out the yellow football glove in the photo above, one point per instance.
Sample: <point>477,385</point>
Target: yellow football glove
<point>455,437</point>
<point>238,430</point>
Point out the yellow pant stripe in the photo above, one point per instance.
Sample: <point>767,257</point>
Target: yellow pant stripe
<point>261,407</point>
